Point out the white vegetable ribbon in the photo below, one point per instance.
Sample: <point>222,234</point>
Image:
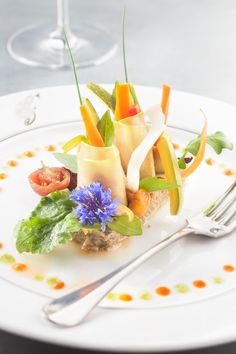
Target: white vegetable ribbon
<point>140,152</point>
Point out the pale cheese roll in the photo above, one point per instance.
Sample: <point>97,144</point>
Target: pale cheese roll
<point>129,133</point>
<point>101,164</point>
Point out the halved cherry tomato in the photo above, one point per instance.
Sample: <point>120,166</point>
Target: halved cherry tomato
<point>49,179</point>
<point>134,109</point>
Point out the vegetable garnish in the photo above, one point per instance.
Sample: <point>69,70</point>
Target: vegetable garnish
<point>141,151</point>
<point>74,68</point>
<point>49,179</point>
<point>106,128</point>
<point>95,205</point>
<point>200,154</point>
<point>72,143</point>
<point>165,100</point>
<point>87,113</point>
<point>152,184</point>
<point>49,224</point>
<point>123,47</point>
<point>123,102</point>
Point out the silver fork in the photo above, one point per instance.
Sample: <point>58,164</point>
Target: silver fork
<point>216,221</point>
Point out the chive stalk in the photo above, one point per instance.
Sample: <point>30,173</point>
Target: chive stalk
<point>74,69</point>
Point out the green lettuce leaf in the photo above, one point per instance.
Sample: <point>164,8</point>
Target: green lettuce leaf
<point>68,160</point>
<point>122,225</point>
<point>152,184</point>
<point>217,141</point>
<point>106,128</point>
<point>51,223</point>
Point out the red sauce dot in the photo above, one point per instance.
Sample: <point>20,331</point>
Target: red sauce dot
<point>210,162</point>
<point>229,172</point>
<point>19,267</point>
<point>3,175</point>
<point>1,245</point>
<point>228,268</point>
<point>163,291</point>
<point>29,154</point>
<point>175,146</point>
<point>58,285</point>
<point>50,148</point>
<point>199,284</point>
<point>125,297</point>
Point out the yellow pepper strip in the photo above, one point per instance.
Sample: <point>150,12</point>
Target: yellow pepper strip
<point>72,143</point>
<point>94,137</point>
<point>122,209</point>
<point>123,101</point>
<point>200,155</point>
<point>165,100</point>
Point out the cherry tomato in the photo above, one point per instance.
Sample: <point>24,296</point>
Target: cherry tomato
<point>49,179</point>
<point>134,109</point>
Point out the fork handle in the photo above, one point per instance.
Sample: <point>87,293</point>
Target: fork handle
<point>69,310</point>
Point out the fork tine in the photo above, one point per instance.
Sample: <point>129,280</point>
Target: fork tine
<point>212,209</point>
<point>221,211</point>
<point>229,217</point>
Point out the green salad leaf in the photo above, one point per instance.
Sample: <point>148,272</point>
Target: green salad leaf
<point>68,160</point>
<point>152,184</point>
<point>49,224</point>
<point>218,141</point>
<point>122,225</point>
<point>106,128</point>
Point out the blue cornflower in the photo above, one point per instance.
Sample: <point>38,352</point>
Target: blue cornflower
<point>95,204</point>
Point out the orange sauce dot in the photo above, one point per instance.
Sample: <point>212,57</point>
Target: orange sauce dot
<point>228,268</point>
<point>3,175</point>
<point>12,163</point>
<point>163,291</point>
<point>125,297</point>
<point>199,284</point>
<point>1,245</point>
<point>175,146</point>
<point>58,285</point>
<point>29,154</point>
<point>229,172</point>
<point>50,148</point>
<point>19,267</point>
<point>210,162</point>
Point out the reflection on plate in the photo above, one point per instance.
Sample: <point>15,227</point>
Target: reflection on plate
<point>191,270</point>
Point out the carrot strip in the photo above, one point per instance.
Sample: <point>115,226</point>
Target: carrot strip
<point>123,101</point>
<point>200,155</point>
<point>165,100</point>
<point>93,134</point>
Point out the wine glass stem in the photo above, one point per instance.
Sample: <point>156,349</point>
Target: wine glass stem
<point>63,20</point>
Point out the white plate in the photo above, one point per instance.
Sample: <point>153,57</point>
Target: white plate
<point>192,318</point>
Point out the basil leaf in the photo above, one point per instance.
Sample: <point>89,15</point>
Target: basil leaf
<point>152,184</point>
<point>106,128</point>
<point>68,160</point>
<point>122,225</point>
<point>51,223</point>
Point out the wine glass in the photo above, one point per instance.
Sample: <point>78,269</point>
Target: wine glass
<point>41,45</point>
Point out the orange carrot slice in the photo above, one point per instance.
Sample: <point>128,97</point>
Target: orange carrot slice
<point>123,101</point>
<point>200,155</point>
<point>165,100</point>
<point>93,134</point>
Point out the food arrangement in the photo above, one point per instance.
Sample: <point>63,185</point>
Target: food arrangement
<point>123,171</point>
